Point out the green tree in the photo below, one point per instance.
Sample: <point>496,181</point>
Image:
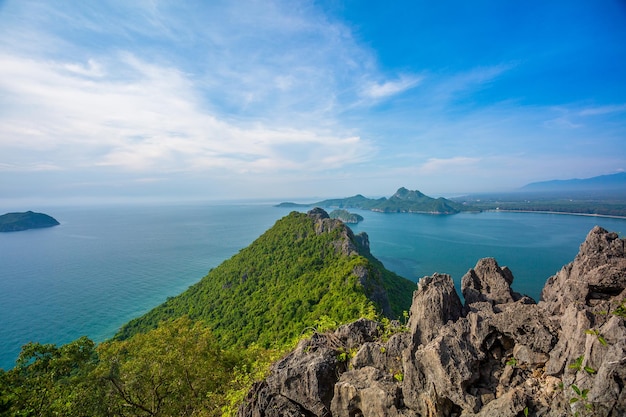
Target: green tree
<point>177,369</point>
<point>51,381</point>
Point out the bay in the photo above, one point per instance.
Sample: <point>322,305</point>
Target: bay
<point>106,265</point>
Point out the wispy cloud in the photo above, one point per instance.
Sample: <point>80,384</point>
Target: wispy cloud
<point>602,110</point>
<point>449,87</point>
<point>391,87</point>
<point>153,119</point>
<point>434,165</point>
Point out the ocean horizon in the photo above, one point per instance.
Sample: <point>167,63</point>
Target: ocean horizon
<point>105,265</point>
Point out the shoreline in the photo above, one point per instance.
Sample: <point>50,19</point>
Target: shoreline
<point>608,216</point>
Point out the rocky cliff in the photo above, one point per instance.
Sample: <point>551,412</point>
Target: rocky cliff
<point>498,354</point>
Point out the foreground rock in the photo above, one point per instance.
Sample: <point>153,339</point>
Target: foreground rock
<point>499,354</point>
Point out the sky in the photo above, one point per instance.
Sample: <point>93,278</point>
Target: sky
<point>211,100</point>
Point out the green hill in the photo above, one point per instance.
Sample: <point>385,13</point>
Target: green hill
<point>15,222</point>
<point>305,268</point>
<point>403,201</point>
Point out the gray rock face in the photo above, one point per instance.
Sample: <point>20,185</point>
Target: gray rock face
<point>435,303</point>
<point>498,355</point>
<point>488,282</point>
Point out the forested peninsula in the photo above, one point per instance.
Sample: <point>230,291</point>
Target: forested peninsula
<point>15,222</point>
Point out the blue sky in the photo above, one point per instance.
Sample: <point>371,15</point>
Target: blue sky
<point>114,100</point>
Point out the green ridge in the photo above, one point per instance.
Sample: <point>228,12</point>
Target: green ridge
<point>305,267</point>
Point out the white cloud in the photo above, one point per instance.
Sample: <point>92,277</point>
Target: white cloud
<point>391,87</point>
<point>151,120</point>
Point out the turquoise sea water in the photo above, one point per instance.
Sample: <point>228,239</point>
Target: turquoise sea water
<point>105,265</point>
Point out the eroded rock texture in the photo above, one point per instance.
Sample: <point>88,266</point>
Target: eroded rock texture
<point>499,354</point>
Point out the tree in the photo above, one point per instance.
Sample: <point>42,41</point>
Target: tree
<point>176,369</point>
<point>51,381</point>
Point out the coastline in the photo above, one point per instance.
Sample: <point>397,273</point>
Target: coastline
<point>607,216</point>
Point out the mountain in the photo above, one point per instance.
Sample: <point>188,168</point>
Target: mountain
<point>304,269</point>
<point>403,201</point>
<point>612,182</point>
<point>15,222</point>
<point>497,354</point>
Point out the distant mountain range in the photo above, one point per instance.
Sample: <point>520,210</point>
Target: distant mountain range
<point>612,182</point>
<point>403,201</point>
<point>603,195</point>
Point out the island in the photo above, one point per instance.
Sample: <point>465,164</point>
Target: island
<point>345,216</point>
<point>402,201</point>
<point>15,222</point>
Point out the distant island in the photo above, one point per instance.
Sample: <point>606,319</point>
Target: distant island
<point>403,201</point>
<point>15,222</point>
<point>345,216</point>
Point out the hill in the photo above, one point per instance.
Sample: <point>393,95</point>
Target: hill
<point>15,222</point>
<point>403,201</point>
<point>306,268</point>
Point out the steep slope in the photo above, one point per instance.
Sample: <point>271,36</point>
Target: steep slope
<point>305,268</point>
<point>499,354</point>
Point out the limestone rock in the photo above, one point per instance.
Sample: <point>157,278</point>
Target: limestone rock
<point>597,274</point>
<point>488,282</point>
<point>499,355</point>
<point>434,304</point>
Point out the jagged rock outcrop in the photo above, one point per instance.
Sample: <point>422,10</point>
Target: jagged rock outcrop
<point>499,354</point>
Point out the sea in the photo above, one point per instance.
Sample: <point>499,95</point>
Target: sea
<point>105,265</point>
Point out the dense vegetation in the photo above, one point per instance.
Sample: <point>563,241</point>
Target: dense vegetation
<point>178,369</point>
<point>403,201</point>
<point>287,279</point>
<point>14,222</point>
<point>345,216</point>
<point>198,353</point>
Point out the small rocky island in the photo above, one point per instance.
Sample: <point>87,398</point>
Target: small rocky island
<point>345,216</point>
<point>15,222</point>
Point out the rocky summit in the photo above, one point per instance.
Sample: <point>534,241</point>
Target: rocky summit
<point>498,353</point>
